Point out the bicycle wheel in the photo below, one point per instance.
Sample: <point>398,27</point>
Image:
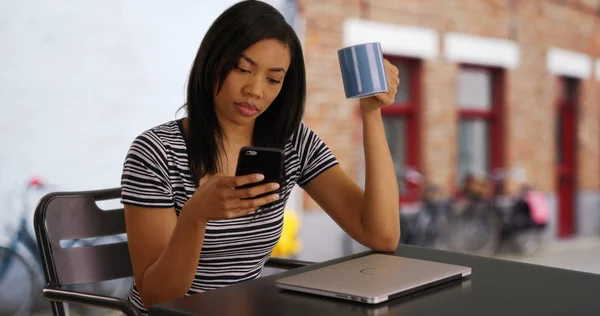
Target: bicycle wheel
<point>27,249</point>
<point>436,233</point>
<point>18,284</point>
<point>476,230</point>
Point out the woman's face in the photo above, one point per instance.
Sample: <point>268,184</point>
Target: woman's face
<point>253,84</point>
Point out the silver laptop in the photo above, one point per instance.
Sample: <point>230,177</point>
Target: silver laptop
<point>374,278</point>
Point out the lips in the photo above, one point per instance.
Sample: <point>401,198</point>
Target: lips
<point>246,109</point>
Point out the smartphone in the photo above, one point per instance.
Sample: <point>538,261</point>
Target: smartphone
<point>266,161</point>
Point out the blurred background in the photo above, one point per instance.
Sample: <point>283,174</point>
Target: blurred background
<point>494,132</point>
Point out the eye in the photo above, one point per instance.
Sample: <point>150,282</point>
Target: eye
<point>274,81</point>
<point>242,70</point>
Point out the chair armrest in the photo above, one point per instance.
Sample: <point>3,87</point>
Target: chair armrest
<point>286,264</point>
<point>114,303</point>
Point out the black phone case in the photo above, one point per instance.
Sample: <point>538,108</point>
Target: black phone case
<point>263,160</point>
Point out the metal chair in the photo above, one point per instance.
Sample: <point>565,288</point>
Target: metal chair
<point>76,215</point>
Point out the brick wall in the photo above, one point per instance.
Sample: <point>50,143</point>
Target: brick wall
<point>328,112</point>
<point>529,115</point>
<point>573,27</point>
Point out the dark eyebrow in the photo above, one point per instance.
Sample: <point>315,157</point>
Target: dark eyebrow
<point>248,59</point>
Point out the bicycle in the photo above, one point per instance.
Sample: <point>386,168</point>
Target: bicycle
<point>429,226</point>
<point>21,272</point>
<point>488,218</point>
<point>19,259</point>
<point>424,223</point>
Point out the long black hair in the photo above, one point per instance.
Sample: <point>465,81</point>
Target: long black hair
<point>236,29</point>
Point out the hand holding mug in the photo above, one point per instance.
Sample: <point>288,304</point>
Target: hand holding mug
<point>368,76</point>
<point>385,98</point>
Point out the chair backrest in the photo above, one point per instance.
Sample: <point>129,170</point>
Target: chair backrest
<point>64,216</point>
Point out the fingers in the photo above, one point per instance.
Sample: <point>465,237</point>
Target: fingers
<point>232,201</point>
<point>389,67</point>
<point>255,191</point>
<point>393,80</point>
<point>244,199</point>
<point>393,84</point>
<point>392,73</point>
<point>390,96</point>
<point>242,207</point>
<point>233,208</point>
<point>238,181</point>
<point>257,202</point>
<point>386,98</point>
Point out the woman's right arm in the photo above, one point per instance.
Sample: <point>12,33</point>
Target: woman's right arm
<point>164,251</point>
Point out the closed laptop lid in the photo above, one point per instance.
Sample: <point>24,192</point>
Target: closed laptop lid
<point>375,275</point>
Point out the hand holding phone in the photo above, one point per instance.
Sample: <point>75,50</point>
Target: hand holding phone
<point>261,160</point>
<point>216,199</point>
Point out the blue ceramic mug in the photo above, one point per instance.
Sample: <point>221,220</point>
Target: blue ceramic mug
<point>363,70</point>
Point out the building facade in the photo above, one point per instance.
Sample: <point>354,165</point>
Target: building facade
<point>486,84</point>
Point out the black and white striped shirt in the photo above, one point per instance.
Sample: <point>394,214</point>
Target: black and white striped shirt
<point>156,173</point>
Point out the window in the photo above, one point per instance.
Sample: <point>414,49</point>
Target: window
<point>479,99</point>
<point>401,124</point>
<point>567,101</point>
<point>566,152</point>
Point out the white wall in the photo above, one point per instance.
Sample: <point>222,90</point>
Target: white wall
<point>79,80</point>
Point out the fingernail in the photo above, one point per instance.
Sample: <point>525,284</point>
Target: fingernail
<point>274,186</point>
<point>260,177</point>
<point>275,197</point>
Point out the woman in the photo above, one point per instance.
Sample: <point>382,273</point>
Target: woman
<point>188,229</point>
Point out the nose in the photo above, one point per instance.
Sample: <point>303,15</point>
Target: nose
<point>253,89</point>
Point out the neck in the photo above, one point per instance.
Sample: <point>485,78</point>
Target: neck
<point>236,136</point>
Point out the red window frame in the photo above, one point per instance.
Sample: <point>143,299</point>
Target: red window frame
<point>494,116</point>
<point>409,111</point>
<point>566,170</point>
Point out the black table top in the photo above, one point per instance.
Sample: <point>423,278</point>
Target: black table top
<point>496,287</point>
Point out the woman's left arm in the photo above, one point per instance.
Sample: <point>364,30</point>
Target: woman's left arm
<point>370,217</point>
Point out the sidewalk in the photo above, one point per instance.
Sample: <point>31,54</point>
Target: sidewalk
<point>581,254</point>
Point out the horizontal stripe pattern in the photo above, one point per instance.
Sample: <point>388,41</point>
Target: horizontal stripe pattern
<point>156,174</point>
